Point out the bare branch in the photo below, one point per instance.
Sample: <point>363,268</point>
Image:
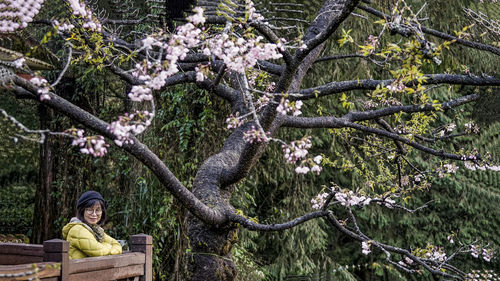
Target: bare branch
<point>21,126</point>
<point>387,248</point>
<point>388,127</point>
<point>335,122</point>
<point>337,57</point>
<point>249,224</point>
<point>338,122</point>
<point>68,62</point>
<point>370,84</point>
<point>442,35</point>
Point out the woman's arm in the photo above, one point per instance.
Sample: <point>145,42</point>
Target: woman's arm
<point>82,239</point>
<point>116,247</point>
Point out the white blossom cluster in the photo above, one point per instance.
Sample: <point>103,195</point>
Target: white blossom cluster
<point>448,129</point>
<point>251,11</point>
<point>80,10</point>
<point>349,198</point>
<point>140,93</point>
<point>286,106</point>
<point>319,201</point>
<point>234,121</point>
<point>263,100</point>
<point>255,134</point>
<point>95,145</point>
<point>241,53</point>
<point>477,251</point>
<point>238,54</point>
<point>176,48</point>
<point>482,275</point>
<point>436,254</point>
<point>129,124</point>
<point>472,128</point>
<point>447,169</point>
<point>43,89</point>
<point>365,247</point>
<point>396,87</point>
<point>432,252</point>
<point>15,14</point>
<point>296,150</point>
<point>64,26</point>
<point>473,166</point>
<point>314,166</point>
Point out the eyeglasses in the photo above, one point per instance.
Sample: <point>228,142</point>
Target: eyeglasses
<point>92,211</point>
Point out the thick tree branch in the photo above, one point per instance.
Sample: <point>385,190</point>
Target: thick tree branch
<point>373,114</point>
<point>220,90</point>
<point>138,150</point>
<point>329,18</point>
<point>370,84</point>
<point>332,13</point>
<point>125,76</point>
<point>335,122</point>
<point>321,122</point>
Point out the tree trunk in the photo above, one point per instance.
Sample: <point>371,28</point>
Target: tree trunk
<point>210,257</point>
<point>43,219</point>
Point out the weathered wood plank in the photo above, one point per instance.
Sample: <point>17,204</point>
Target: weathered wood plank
<point>21,249</point>
<point>56,250</point>
<point>109,274</point>
<point>144,244</point>
<point>55,246</point>
<point>29,271</point>
<point>49,279</point>
<point>12,259</point>
<point>105,262</point>
<point>141,239</point>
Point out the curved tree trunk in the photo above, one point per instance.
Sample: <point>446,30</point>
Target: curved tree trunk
<point>210,257</point>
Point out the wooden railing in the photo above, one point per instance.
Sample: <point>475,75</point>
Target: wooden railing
<point>50,262</point>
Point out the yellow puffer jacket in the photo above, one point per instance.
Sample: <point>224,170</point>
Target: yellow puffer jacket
<point>82,242</point>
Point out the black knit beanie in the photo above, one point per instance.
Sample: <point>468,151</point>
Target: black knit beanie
<point>90,195</point>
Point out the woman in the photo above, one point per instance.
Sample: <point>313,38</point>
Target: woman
<point>84,233</point>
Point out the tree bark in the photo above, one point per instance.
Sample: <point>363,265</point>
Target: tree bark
<point>210,256</point>
<point>43,219</point>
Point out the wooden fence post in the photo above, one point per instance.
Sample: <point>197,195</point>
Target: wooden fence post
<point>144,243</point>
<point>56,250</point>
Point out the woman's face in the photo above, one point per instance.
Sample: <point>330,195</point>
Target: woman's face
<point>93,214</point>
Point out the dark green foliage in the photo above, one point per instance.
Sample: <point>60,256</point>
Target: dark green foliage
<point>18,169</point>
<point>16,211</point>
<point>17,155</point>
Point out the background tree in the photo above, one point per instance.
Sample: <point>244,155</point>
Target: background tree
<point>392,115</point>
